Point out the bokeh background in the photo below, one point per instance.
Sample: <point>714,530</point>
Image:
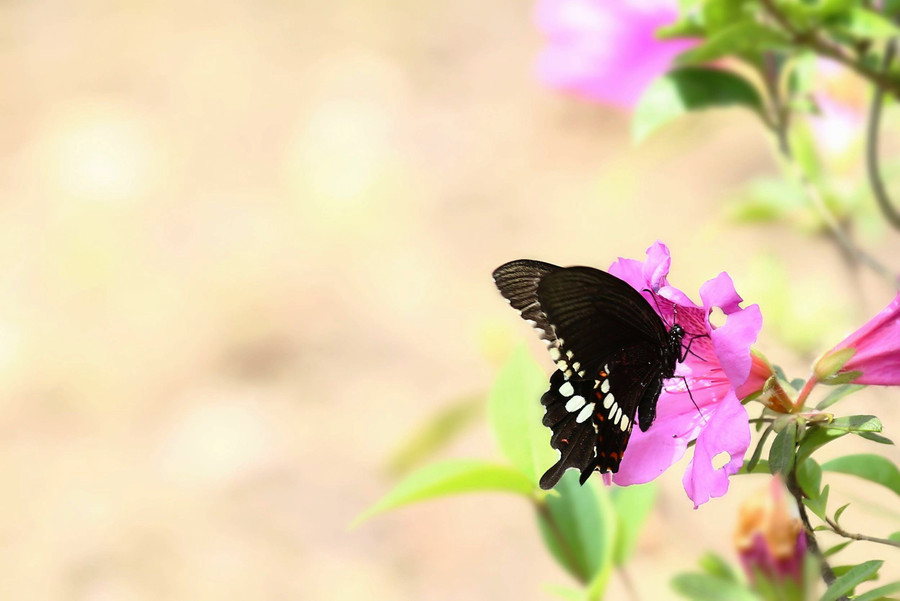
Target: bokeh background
<point>245,253</point>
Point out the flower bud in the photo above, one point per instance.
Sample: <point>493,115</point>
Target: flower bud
<point>769,537</point>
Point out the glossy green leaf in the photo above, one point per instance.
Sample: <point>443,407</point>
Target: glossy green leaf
<point>451,478</point>
<point>690,89</point>
<point>578,526</point>
<point>781,453</point>
<point>702,587</point>
<point>435,434</point>
<point>879,593</point>
<point>854,423</point>
<point>838,394</point>
<point>847,582</point>
<point>632,506</point>
<point>815,438</point>
<point>515,412</point>
<point>873,468</point>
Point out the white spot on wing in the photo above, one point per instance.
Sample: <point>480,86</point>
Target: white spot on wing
<point>604,388</point>
<point>608,401</point>
<point>624,423</point>
<point>554,354</point>
<point>618,414</point>
<point>566,389</point>
<point>575,403</point>
<point>585,413</point>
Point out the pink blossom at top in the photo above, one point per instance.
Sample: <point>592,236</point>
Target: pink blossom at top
<point>875,349</point>
<point>718,363</point>
<point>605,50</point>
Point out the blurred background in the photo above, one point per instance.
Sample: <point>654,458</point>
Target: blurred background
<point>245,253</point>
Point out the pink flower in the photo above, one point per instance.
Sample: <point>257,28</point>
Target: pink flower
<point>769,537</point>
<point>870,355</point>
<point>605,50</point>
<point>842,102</point>
<point>718,363</point>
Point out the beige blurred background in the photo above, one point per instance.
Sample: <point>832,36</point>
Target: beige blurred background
<point>245,251</point>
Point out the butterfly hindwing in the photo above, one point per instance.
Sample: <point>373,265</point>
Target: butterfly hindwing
<point>592,418</point>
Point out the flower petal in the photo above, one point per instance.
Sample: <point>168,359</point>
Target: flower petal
<point>727,431</point>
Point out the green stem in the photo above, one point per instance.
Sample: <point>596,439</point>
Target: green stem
<point>879,190</point>
<point>872,539</point>
<point>811,543</point>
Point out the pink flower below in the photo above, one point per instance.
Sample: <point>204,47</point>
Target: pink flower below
<point>718,363</point>
<point>606,50</point>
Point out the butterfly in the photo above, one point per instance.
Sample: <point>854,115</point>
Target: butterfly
<point>612,352</point>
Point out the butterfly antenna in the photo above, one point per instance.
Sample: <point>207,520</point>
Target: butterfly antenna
<point>656,302</point>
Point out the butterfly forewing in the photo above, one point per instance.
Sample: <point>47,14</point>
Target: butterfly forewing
<point>611,350</point>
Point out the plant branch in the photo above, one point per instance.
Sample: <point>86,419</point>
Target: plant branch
<point>872,539</point>
<point>813,196</point>
<point>812,40</point>
<point>811,542</point>
<point>875,181</point>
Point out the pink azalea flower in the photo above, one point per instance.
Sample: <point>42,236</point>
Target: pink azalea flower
<point>605,50</point>
<point>718,363</point>
<point>870,355</point>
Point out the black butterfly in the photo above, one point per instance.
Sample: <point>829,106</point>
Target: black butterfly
<point>612,353</point>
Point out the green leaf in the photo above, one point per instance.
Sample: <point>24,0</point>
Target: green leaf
<point>854,423</point>
<point>781,454</point>
<point>873,468</point>
<point>840,512</point>
<point>450,478</point>
<point>632,505</point>
<point>745,38</point>
<point>815,438</point>
<point>690,89</point>
<point>878,593</point>
<point>761,467</point>
<point>819,505</point>
<point>837,394</point>
<point>435,434</point>
<point>895,536</point>
<point>837,548</point>
<point>701,587</point>
<point>847,582</point>
<point>515,412</point>
<point>866,24</point>
<point>578,526</point>
<point>715,566</point>
<point>809,476</point>
<point>757,452</point>
<point>876,437</point>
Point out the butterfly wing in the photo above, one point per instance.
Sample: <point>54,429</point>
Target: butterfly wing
<point>606,340</point>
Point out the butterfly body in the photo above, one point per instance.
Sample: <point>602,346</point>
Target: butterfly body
<point>612,352</point>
